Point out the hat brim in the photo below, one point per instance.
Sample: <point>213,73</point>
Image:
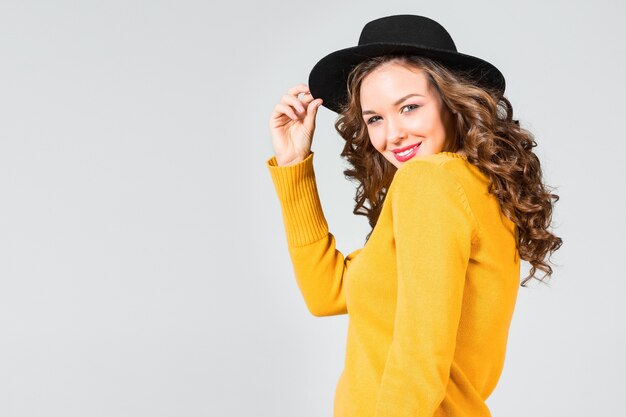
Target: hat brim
<point>328,78</point>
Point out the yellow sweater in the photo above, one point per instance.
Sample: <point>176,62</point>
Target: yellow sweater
<point>430,296</point>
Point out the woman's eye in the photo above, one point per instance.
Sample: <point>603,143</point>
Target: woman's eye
<point>410,107</point>
<point>371,120</point>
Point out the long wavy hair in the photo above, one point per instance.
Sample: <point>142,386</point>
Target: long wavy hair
<point>484,129</point>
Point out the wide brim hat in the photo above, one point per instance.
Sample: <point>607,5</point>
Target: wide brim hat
<point>397,34</point>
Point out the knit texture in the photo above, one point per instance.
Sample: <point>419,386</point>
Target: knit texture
<point>430,296</point>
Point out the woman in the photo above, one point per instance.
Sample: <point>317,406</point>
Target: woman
<point>455,200</point>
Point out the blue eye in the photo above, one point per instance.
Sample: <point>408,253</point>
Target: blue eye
<point>411,105</point>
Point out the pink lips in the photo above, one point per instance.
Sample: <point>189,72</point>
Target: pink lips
<point>408,156</point>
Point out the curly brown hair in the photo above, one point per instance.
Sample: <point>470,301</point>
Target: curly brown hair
<point>484,129</point>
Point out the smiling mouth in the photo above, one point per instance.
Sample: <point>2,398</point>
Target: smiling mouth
<point>408,151</point>
<point>404,150</point>
<point>407,154</point>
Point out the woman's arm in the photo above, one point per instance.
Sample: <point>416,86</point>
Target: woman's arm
<point>318,266</point>
<point>434,229</point>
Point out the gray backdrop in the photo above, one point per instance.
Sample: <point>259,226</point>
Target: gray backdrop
<point>143,263</point>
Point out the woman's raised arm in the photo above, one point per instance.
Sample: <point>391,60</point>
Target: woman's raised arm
<point>318,266</point>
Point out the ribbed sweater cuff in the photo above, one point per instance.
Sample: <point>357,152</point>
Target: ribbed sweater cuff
<point>299,200</point>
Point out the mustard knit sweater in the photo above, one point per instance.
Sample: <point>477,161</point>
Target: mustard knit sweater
<point>430,296</point>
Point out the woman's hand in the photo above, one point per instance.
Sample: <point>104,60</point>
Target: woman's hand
<point>292,124</point>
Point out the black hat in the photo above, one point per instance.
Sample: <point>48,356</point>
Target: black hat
<point>398,34</point>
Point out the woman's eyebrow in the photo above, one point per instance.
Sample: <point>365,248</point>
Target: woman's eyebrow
<point>395,104</point>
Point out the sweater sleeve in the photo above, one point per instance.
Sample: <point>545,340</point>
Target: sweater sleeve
<point>434,229</point>
<point>318,266</point>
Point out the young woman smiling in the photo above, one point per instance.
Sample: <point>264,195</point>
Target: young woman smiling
<point>455,199</point>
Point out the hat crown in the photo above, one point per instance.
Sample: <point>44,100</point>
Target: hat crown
<point>397,35</point>
<point>407,29</point>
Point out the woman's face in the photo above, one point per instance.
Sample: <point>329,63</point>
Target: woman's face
<point>404,116</point>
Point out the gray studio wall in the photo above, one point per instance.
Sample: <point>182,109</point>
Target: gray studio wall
<point>143,265</point>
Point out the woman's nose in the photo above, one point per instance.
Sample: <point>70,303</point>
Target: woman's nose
<point>395,131</point>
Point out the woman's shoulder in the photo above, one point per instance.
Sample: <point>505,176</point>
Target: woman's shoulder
<point>444,172</point>
<point>442,164</point>
<point>429,171</point>
<point>437,183</point>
